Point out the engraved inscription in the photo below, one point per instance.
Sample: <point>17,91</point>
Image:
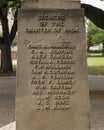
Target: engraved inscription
<point>50,22</point>
<point>52,74</point>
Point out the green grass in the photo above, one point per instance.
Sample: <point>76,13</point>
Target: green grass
<point>96,70</point>
<point>95,63</point>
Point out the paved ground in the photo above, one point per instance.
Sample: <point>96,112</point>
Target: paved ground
<point>96,86</point>
<point>7,101</point>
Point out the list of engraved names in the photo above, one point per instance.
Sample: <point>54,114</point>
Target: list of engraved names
<point>52,75</point>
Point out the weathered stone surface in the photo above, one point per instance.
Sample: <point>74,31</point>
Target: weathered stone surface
<point>69,4</point>
<point>52,91</point>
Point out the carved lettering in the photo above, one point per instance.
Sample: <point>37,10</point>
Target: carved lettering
<point>52,73</point>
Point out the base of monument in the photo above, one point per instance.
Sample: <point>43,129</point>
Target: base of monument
<point>11,126</point>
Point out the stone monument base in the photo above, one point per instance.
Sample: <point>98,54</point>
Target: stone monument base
<point>11,126</point>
